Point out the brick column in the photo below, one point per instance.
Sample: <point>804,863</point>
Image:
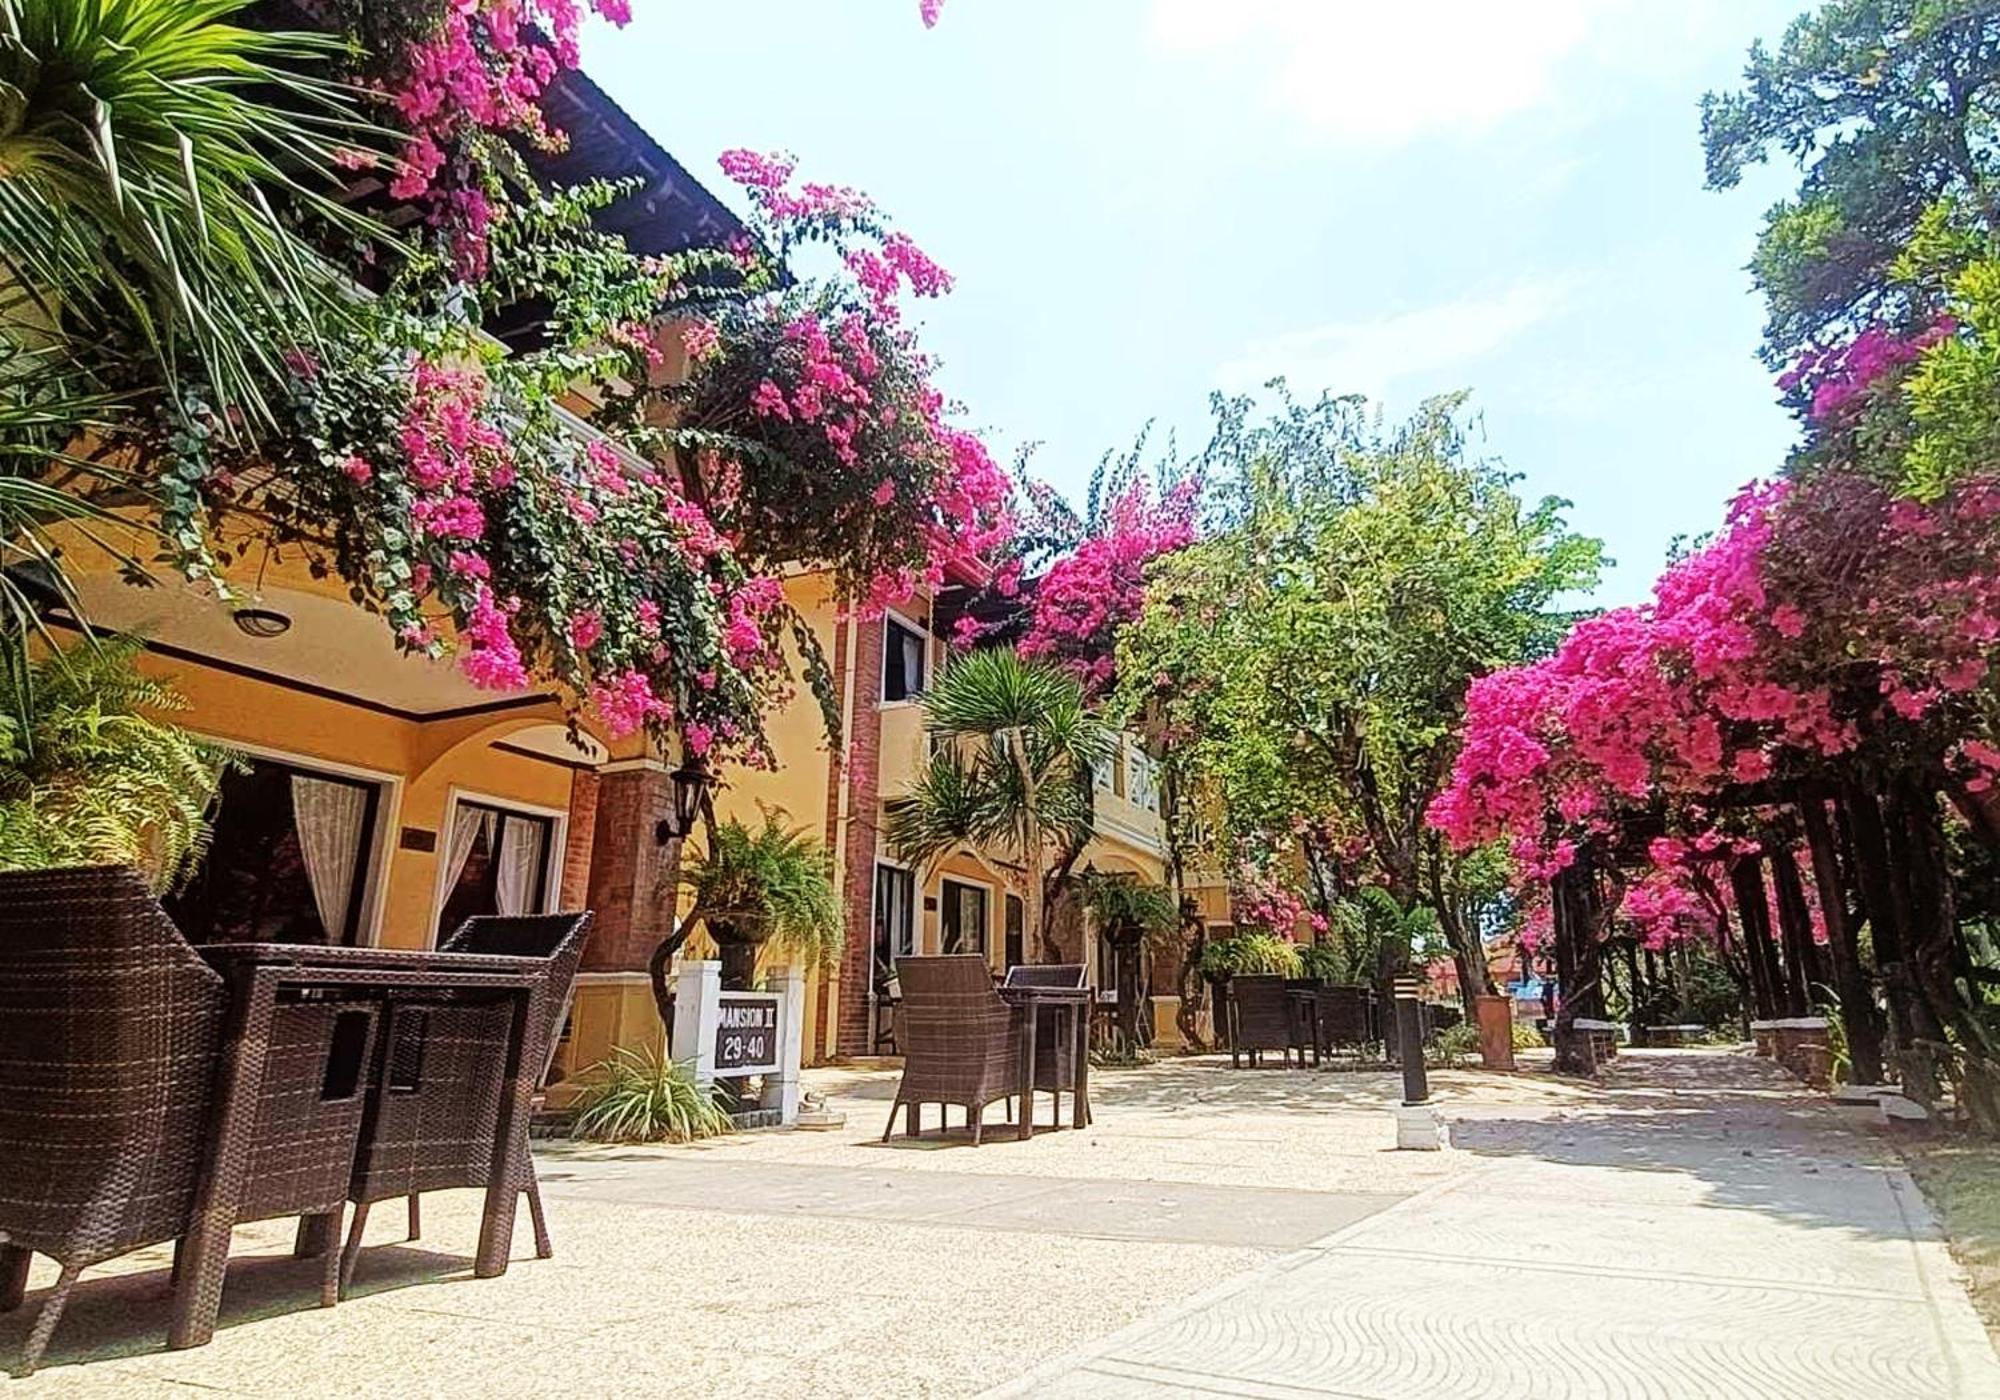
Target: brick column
<point>632,876</point>
<point>862,773</point>
<point>582,837</point>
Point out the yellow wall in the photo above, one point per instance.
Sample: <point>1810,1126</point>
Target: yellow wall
<point>430,758</point>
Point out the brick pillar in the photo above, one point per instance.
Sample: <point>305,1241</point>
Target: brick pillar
<point>632,876</point>
<point>582,835</point>
<point>862,772</point>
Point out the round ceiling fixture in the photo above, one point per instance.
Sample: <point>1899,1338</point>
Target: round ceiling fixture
<point>261,623</point>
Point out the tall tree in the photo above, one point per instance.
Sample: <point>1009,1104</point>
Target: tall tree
<point>1309,659</point>
<point>1887,107</point>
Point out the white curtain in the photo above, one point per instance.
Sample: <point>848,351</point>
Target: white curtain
<point>329,817</point>
<point>520,858</point>
<point>466,824</point>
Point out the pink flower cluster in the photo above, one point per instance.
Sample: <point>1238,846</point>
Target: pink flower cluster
<point>1259,900</point>
<point>1839,376</point>
<point>483,71</point>
<point>1086,596</point>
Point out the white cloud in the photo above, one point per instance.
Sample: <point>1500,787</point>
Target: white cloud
<point>1367,357</point>
<point>1366,72</point>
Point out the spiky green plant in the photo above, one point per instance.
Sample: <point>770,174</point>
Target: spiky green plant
<point>1249,954</point>
<point>1013,773</point>
<point>142,144</point>
<point>770,883</point>
<point>91,774</point>
<point>640,1096</point>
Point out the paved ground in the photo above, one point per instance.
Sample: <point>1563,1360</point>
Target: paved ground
<point>1214,1232</point>
<point>1701,1230</point>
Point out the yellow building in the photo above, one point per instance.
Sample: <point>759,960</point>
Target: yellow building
<point>384,797</point>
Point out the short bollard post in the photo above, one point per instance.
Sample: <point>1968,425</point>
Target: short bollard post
<point>1418,1127</point>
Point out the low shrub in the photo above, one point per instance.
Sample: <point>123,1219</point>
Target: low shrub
<point>643,1097</point>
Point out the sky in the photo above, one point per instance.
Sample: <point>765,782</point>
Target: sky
<point>1144,201</point>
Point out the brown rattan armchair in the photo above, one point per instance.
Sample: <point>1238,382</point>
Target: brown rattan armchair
<point>442,1073</point>
<point>112,1032</point>
<point>961,1043</point>
<point>1263,1017</point>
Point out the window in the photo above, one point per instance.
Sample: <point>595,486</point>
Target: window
<point>1142,779</point>
<point>895,919</point>
<point>905,674</point>
<point>496,862</point>
<point>288,861</point>
<point>1017,930</point>
<point>962,918</point>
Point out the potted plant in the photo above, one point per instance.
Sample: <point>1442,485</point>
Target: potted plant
<point>89,775</point>
<point>1130,913</point>
<point>1248,954</point>
<point>768,886</point>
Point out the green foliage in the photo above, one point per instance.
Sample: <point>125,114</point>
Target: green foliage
<point>1250,953</point>
<point>642,1097</point>
<point>142,146</point>
<point>1129,908</point>
<point>769,883</point>
<point>1454,1045</point>
<point>1887,107</point>
<point>89,775</point>
<point>1306,663</point>
<point>1012,770</point>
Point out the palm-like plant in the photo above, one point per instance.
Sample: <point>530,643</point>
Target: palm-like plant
<point>142,143</point>
<point>644,1097</point>
<point>88,776</point>
<point>1013,772</point>
<point>765,885</point>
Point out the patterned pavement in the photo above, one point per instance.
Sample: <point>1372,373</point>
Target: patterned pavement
<point>1705,1232</point>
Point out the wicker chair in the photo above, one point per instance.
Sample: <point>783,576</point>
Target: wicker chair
<point>111,1032</point>
<point>1347,1015</point>
<point>961,1042</point>
<point>110,1025</point>
<point>442,1072</point>
<point>1263,1017</point>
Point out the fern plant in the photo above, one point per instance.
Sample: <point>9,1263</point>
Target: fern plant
<point>640,1096</point>
<point>89,773</point>
<point>770,885</point>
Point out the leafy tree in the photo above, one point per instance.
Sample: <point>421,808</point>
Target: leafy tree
<point>1308,661</point>
<point>1887,107</point>
<point>1013,773</point>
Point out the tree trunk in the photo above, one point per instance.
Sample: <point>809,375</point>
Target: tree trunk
<point>1857,1002</point>
<point>1577,965</point>
<point>1753,915</point>
<point>1936,955</point>
<point>1193,986</point>
<point>1795,929</point>
<point>1887,919</point>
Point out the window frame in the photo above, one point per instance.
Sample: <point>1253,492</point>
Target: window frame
<point>946,904</point>
<point>893,621</point>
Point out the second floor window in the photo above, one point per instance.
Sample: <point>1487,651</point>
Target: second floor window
<point>905,674</point>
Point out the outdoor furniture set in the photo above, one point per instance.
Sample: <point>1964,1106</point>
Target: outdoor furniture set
<point>152,1090</point>
<point>968,1042</point>
<point>1295,1015</point>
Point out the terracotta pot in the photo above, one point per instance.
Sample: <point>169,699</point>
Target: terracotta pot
<point>1496,1030</point>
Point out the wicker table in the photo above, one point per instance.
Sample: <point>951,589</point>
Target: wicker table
<point>1075,1003</point>
<point>257,972</point>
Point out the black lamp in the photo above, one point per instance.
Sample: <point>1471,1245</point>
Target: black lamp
<point>261,623</point>
<point>691,782</point>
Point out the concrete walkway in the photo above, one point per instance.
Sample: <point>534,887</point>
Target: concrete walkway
<point>1700,1230</point>
<point>1698,1227</point>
